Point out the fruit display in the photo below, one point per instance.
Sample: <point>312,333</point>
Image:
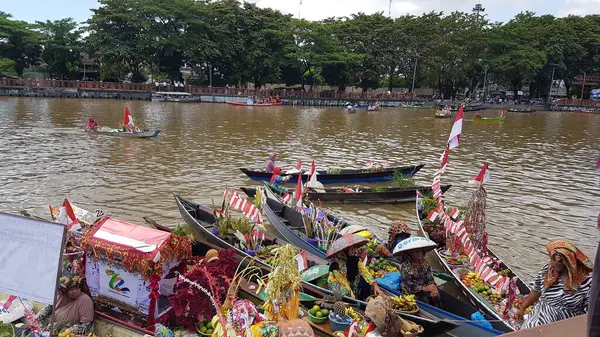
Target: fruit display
<point>351,313</point>
<point>379,267</point>
<point>409,327</point>
<point>317,312</point>
<point>462,259</point>
<point>66,333</point>
<point>504,272</point>
<point>483,290</point>
<point>472,279</point>
<point>405,303</point>
<point>518,305</point>
<point>205,327</point>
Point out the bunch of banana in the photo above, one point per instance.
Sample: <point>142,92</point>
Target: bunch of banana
<point>217,329</point>
<point>404,303</point>
<point>351,313</point>
<point>472,280</point>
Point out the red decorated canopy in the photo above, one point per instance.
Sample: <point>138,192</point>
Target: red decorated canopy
<point>140,249</point>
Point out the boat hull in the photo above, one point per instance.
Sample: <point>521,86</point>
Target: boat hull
<point>143,134</point>
<point>345,176</point>
<point>489,120</point>
<point>255,104</point>
<point>392,196</point>
<point>179,100</point>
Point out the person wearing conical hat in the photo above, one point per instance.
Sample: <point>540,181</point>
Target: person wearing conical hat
<point>347,273</point>
<point>417,277</point>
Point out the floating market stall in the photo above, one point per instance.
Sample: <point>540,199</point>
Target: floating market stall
<point>126,265</point>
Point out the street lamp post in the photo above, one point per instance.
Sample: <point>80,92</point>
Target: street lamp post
<point>412,90</point>
<point>551,84</point>
<point>477,10</point>
<point>484,83</point>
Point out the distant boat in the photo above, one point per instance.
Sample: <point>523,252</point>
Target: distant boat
<point>255,104</point>
<point>526,110</point>
<point>179,97</point>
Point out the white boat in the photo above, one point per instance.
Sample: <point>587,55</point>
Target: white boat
<point>180,97</point>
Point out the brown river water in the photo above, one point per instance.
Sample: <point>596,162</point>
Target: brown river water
<point>544,184</point>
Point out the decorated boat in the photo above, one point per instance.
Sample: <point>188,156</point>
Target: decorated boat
<point>201,220</point>
<point>443,113</point>
<point>127,130</point>
<point>178,97</point>
<point>374,107</point>
<point>360,194</point>
<point>416,106</point>
<point>474,107</point>
<point>331,176</point>
<point>483,296</point>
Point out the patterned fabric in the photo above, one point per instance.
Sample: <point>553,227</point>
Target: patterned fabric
<point>398,227</point>
<point>555,303</point>
<point>162,331</point>
<point>295,328</point>
<point>67,282</point>
<point>415,277</point>
<point>337,278</point>
<point>578,265</point>
<point>79,329</point>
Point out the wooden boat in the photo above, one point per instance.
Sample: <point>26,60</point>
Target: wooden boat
<point>121,133</point>
<point>489,120</point>
<point>434,320</point>
<point>345,175</point>
<point>367,195</point>
<point>374,107</point>
<point>475,298</point>
<point>527,110</point>
<point>289,225</point>
<point>178,97</point>
<point>476,107</point>
<point>443,114</point>
<point>416,106</point>
<point>255,104</point>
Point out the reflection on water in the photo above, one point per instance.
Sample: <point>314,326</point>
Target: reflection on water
<point>543,186</point>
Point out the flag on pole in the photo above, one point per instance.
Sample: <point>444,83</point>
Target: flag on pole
<point>298,192</point>
<point>127,120</point>
<point>301,261</point>
<point>433,215</point>
<point>454,139</point>
<point>501,112</point>
<point>66,216</point>
<point>299,165</point>
<point>454,213</point>
<point>444,160</point>
<point>482,177</point>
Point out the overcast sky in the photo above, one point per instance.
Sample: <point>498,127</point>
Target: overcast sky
<point>498,10</point>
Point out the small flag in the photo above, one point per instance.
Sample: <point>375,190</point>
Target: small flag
<point>67,217</point>
<point>299,165</point>
<point>433,215</point>
<point>301,261</point>
<point>501,112</point>
<point>444,160</point>
<point>298,192</point>
<point>454,213</point>
<point>364,257</point>
<point>127,120</point>
<point>482,177</point>
<point>454,139</point>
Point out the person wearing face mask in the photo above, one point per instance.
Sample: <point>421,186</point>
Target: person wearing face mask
<point>347,273</point>
<point>74,309</point>
<point>562,287</point>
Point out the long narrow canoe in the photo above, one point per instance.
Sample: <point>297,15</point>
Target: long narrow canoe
<point>528,110</point>
<point>344,176</point>
<point>435,321</point>
<point>288,223</point>
<point>473,296</point>
<point>489,120</point>
<point>255,104</point>
<point>367,195</point>
<point>121,133</point>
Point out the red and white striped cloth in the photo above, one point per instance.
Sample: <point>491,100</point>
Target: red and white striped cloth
<point>454,139</point>
<point>242,204</point>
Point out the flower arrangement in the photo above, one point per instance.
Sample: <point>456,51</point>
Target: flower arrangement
<point>283,288</point>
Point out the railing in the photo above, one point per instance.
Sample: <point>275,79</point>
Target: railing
<point>118,86</point>
<point>578,102</point>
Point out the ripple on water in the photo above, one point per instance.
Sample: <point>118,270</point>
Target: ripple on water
<point>544,184</point>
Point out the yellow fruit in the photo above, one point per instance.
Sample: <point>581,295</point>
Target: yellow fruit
<point>68,332</point>
<point>319,314</point>
<point>316,308</point>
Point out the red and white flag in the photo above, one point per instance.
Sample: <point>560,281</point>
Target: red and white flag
<point>454,139</point>
<point>482,177</point>
<point>444,160</point>
<point>67,217</point>
<point>454,213</point>
<point>298,192</point>
<point>299,165</point>
<point>127,120</point>
<point>433,215</point>
<point>501,112</point>
<point>301,261</point>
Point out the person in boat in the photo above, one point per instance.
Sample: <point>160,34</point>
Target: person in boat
<point>348,274</point>
<point>277,179</point>
<point>277,98</point>
<point>398,231</point>
<point>91,124</point>
<point>478,116</point>
<point>74,309</point>
<point>562,287</point>
<point>417,276</point>
<point>271,163</point>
